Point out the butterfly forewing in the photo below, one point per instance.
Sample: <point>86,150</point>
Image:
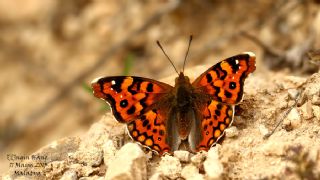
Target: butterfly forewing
<point>219,89</point>
<point>129,96</point>
<point>224,81</point>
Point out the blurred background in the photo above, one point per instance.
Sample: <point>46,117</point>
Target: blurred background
<point>50,50</point>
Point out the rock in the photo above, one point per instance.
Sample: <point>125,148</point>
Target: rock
<point>130,163</point>
<point>109,152</point>
<point>263,130</point>
<point>315,100</point>
<point>293,93</point>
<point>232,132</point>
<point>212,165</point>
<point>55,169</point>
<point>306,110</point>
<point>90,156</point>
<point>156,176</point>
<point>191,172</point>
<point>199,158</point>
<point>316,112</point>
<point>291,103</point>
<point>69,175</point>
<point>273,148</point>
<point>183,156</point>
<point>293,120</point>
<point>170,167</point>
<point>97,136</point>
<point>83,170</point>
<point>91,178</point>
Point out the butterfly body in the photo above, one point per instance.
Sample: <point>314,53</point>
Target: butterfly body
<point>161,117</point>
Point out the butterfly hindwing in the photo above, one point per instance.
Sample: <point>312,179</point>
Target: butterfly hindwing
<point>129,96</point>
<point>215,118</point>
<point>150,130</point>
<point>224,81</point>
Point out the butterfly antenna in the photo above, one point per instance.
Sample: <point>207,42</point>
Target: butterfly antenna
<point>167,56</point>
<point>185,58</point>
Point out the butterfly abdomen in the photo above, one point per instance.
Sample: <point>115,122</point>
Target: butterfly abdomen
<point>183,106</point>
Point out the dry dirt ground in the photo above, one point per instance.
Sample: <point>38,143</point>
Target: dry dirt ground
<point>291,152</point>
<point>52,49</point>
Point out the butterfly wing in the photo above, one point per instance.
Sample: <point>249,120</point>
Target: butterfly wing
<point>129,96</point>
<point>224,81</point>
<point>223,86</point>
<point>215,118</point>
<point>142,103</point>
<point>150,130</point>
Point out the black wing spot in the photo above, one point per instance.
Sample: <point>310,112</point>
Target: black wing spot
<point>234,65</point>
<point>150,87</point>
<point>210,123</point>
<point>217,91</point>
<point>145,123</point>
<point>131,110</point>
<point>217,112</point>
<point>149,127</point>
<point>154,130</point>
<point>232,85</point>
<point>227,94</point>
<point>123,103</point>
<point>219,106</point>
<point>143,117</point>
<point>116,85</point>
<point>209,78</point>
<point>138,85</point>
<point>205,127</point>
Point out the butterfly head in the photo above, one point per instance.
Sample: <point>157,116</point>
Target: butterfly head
<point>182,79</point>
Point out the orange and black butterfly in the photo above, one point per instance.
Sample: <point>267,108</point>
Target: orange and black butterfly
<point>160,116</point>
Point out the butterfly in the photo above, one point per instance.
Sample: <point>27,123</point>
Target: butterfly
<point>160,116</point>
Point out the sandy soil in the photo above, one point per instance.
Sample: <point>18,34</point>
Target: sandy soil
<point>52,49</point>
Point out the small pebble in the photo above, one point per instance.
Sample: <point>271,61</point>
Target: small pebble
<point>263,130</point>
<point>306,110</point>
<point>293,120</point>
<point>129,163</point>
<point>293,93</point>
<point>199,158</point>
<point>183,156</point>
<point>232,132</point>
<point>316,112</point>
<point>69,175</point>
<point>109,151</point>
<point>191,172</point>
<point>212,165</point>
<point>316,99</point>
<point>170,167</point>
